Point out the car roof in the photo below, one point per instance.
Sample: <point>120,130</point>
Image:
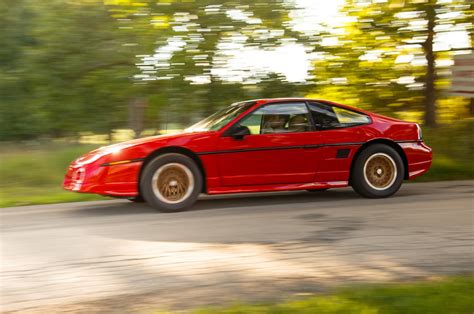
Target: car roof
<point>271,100</point>
<point>280,99</point>
<point>268,100</point>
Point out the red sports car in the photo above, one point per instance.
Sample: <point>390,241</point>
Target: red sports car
<point>255,146</point>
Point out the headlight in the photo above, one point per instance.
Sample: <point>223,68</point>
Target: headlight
<point>94,155</point>
<point>78,178</point>
<point>79,175</point>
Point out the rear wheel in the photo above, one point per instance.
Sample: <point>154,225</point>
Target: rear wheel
<point>171,182</point>
<point>378,172</point>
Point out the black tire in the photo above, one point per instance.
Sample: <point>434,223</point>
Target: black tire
<point>152,194</point>
<point>317,190</point>
<point>391,169</point>
<point>136,199</point>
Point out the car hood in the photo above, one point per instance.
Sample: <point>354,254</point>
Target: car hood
<point>100,152</point>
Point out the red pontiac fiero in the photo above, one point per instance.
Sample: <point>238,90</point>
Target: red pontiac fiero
<point>257,146</point>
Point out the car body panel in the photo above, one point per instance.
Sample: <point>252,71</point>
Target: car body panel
<point>419,158</point>
<point>267,159</point>
<point>262,162</point>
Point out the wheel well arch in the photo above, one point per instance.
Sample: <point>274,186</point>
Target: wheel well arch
<point>387,142</point>
<point>176,150</point>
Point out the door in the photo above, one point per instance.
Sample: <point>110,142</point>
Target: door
<point>276,151</point>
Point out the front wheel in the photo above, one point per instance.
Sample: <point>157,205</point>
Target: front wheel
<point>378,172</point>
<point>171,182</point>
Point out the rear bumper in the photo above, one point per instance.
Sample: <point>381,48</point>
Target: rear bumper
<point>419,158</point>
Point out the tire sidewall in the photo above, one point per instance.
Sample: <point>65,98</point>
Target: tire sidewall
<point>358,177</point>
<point>153,166</point>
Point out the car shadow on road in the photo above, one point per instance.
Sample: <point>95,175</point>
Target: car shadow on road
<point>331,198</point>
<point>207,202</point>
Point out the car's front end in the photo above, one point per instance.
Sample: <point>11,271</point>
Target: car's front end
<point>103,171</point>
<point>115,170</point>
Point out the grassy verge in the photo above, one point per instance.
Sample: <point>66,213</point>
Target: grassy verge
<point>33,174</point>
<point>449,295</point>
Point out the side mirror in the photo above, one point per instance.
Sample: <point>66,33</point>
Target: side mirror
<point>239,132</point>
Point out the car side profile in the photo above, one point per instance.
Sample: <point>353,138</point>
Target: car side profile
<point>257,146</point>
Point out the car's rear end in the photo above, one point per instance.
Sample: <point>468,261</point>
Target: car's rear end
<point>409,136</point>
<point>419,155</point>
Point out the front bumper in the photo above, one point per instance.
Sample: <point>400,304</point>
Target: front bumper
<point>118,180</point>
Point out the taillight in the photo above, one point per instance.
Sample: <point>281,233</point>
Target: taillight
<point>420,132</point>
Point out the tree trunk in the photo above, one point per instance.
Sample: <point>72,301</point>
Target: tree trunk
<point>136,113</point>
<point>430,92</point>
<point>110,136</point>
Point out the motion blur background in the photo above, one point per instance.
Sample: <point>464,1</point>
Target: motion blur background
<point>79,74</point>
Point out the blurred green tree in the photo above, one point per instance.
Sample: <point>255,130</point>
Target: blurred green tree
<point>18,117</point>
<point>64,68</point>
<point>80,67</point>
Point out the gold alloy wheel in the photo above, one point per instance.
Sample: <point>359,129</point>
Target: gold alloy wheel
<point>173,183</point>
<point>380,171</point>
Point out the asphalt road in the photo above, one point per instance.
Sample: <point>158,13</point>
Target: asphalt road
<point>116,255</point>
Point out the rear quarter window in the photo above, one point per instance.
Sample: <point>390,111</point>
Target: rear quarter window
<point>328,117</point>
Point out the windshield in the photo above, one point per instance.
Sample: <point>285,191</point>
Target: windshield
<point>220,118</point>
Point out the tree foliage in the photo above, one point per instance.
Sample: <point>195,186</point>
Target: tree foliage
<point>68,67</point>
<point>69,71</point>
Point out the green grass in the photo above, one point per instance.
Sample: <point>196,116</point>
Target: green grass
<point>449,295</point>
<point>33,174</point>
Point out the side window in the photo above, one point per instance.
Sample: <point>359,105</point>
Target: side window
<point>328,117</point>
<point>278,118</point>
<point>253,122</point>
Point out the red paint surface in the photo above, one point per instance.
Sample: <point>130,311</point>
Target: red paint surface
<point>273,168</point>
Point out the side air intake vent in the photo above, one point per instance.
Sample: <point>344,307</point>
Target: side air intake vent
<point>343,153</point>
